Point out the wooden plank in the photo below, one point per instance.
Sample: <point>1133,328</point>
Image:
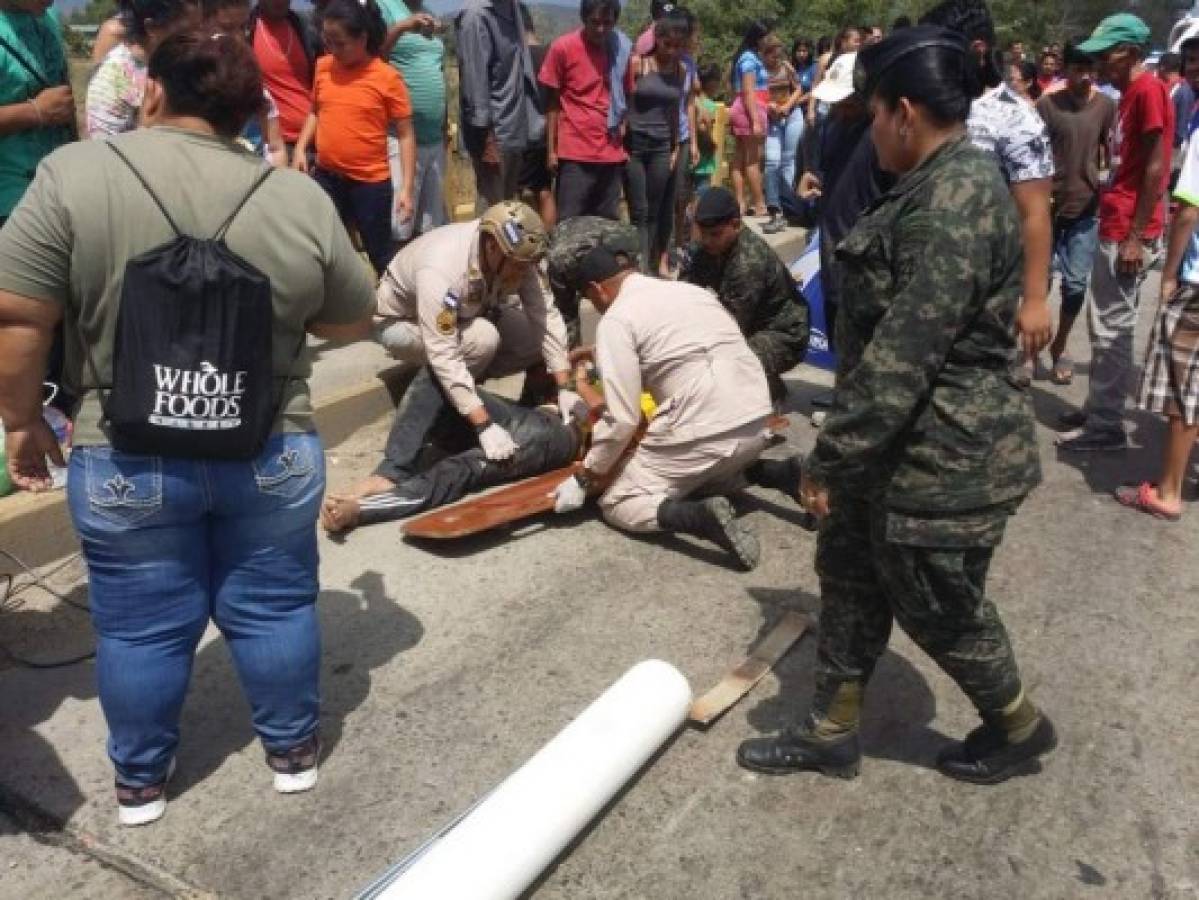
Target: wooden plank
<point>741,680</point>
<point>475,515</point>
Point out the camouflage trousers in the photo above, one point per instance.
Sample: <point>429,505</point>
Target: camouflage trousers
<point>929,575</point>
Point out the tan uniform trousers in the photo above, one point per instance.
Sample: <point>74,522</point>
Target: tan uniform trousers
<point>493,351</point>
<point>714,465</point>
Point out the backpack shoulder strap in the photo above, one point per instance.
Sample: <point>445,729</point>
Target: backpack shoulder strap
<point>145,184</point>
<point>220,235</point>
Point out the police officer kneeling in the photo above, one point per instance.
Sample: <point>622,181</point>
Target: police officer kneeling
<point>930,447</point>
<point>678,343</point>
<point>468,300</point>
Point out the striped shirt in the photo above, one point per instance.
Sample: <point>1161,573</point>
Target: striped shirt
<point>419,60</point>
<point>114,95</point>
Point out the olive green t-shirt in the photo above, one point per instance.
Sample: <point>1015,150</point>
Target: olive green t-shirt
<point>86,215</point>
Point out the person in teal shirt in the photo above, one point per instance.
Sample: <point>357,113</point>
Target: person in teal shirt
<point>37,110</point>
<point>418,54</point>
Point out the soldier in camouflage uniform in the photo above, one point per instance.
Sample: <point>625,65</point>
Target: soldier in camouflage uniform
<point>930,446</point>
<point>573,239</point>
<point>752,283</point>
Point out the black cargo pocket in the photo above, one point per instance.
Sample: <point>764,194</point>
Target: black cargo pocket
<point>123,488</point>
<point>284,472</point>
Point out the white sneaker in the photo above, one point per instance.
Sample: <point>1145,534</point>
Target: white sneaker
<point>296,770</point>
<point>141,806</point>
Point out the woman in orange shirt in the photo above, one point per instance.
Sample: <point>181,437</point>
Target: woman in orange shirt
<point>356,98</point>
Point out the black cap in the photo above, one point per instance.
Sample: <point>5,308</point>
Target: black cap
<point>876,60</point>
<point>600,264</point>
<point>717,205</point>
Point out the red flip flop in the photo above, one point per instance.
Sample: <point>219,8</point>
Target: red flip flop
<point>1143,497</point>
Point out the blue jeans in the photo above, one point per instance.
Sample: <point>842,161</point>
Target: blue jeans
<point>171,543</point>
<point>783,137</point>
<point>1075,242</point>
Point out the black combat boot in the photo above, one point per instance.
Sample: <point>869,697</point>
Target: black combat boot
<point>992,753</point>
<point>803,749</point>
<point>712,519</point>
<point>826,741</point>
<point>777,474</point>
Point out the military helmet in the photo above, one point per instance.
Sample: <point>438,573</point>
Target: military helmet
<point>517,229</point>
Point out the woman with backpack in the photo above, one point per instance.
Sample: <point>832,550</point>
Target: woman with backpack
<point>357,99</point>
<point>196,476</point>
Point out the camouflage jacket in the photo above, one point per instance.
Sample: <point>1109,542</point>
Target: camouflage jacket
<point>574,238</point>
<point>755,286</point>
<point>926,416</point>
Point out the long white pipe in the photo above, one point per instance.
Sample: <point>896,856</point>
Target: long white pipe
<point>500,847</point>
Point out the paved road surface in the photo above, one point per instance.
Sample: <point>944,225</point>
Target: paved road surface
<point>446,667</point>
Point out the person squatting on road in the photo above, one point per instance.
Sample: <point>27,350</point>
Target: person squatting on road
<point>677,342</point>
<point>172,541</point>
<point>930,445</point>
<point>752,283</point>
<point>468,300</point>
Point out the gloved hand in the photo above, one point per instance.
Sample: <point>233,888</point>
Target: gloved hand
<point>571,406</point>
<point>497,443</point>
<point>569,496</point>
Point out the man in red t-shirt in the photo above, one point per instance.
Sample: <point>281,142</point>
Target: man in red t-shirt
<point>584,134</point>
<point>285,55</point>
<point>1131,219</point>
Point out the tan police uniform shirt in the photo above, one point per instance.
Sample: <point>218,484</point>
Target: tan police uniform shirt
<point>437,282</point>
<point>677,342</point>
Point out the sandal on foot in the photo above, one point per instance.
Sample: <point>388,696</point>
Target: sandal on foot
<point>1143,497</point>
<point>1063,370</point>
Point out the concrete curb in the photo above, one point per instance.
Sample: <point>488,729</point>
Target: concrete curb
<point>36,528</point>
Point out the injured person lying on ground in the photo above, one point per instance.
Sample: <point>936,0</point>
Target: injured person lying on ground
<point>433,457</point>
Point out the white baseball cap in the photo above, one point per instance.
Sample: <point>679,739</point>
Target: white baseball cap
<point>837,83</point>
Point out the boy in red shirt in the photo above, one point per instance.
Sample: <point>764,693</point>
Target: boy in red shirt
<point>585,117</point>
<point>1131,220</point>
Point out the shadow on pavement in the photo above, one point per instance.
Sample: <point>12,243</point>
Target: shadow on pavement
<point>1104,472</point>
<point>43,639</point>
<point>899,703</point>
<point>359,632</point>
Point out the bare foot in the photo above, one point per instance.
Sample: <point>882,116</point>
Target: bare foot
<point>368,487</point>
<point>339,514</point>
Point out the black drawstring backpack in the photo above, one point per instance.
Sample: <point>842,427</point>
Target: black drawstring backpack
<point>192,360</point>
